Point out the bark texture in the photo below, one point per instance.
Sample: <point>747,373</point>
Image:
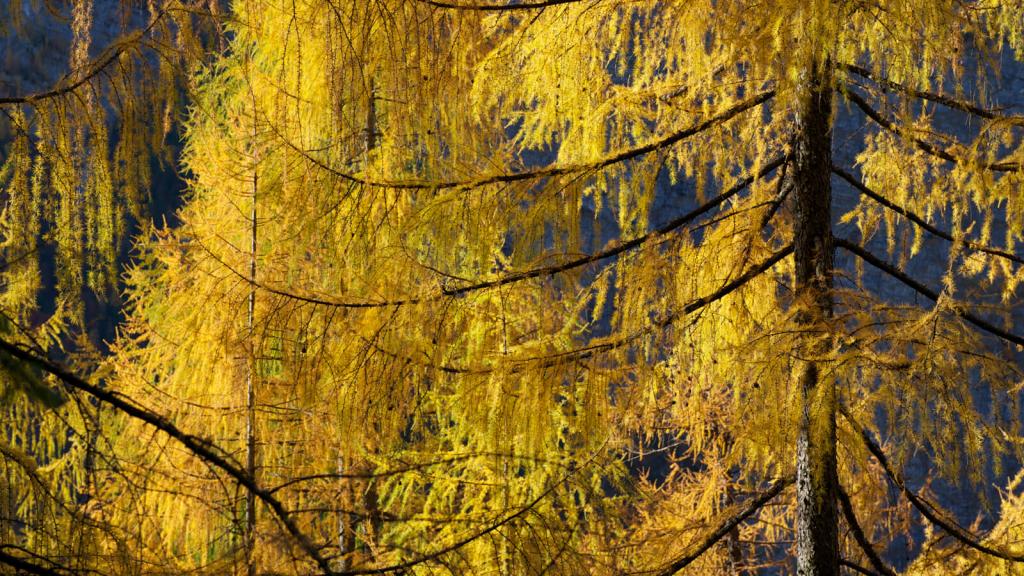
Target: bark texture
<point>816,476</point>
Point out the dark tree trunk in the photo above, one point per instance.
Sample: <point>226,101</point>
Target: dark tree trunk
<point>249,530</point>
<point>816,476</point>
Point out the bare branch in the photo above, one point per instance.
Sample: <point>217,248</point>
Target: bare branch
<point>924,290</point>
<point>863,189</point>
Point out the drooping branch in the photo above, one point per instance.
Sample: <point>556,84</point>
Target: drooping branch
<point>212,456</point>
<point>946,101</point>
<point>724,528</point>
<point>30,468</point>
<point>863,189</point>
<point>406,469</point>
<point>402,567</point>
<point>22,565</point>
<point>607,345</point>
<point>200,447</point>
<point>923,290</point>
<point>541,272</point>
<point>548,171</point>
<point>95,68</point>
<point>856,567</point>
<point>926,508</point>
<point>498,7</point>
<point>859,536</point>
<point>922,144</point>
<point>115,51</point>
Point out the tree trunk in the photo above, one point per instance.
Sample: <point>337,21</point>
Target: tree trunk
<point>816,476</point>
<point>249,530</point>
<point>359,497</point>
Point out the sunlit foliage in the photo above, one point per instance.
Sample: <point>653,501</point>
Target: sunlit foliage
<point>448,278</point>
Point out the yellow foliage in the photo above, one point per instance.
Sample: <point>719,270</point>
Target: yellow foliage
<point>393,302</point>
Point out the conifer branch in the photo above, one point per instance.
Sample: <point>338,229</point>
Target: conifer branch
<point>688,309</point>
<point>403,566</point>
<point>109,55</point>
<point>863,189</point>
<point>924,290</point>
<point>498,7</point>
<point>408,468</point>
<point>922,144</point>
<point>21,565</point>
<point>946,101</point>
<point>726,527</point>
<point>25,565</point>
<point>541,272</point>
<point>857,567</point>
<point>606,345</point>
<point>548,171</point>
<point>30,468</point>
<point>522,511</point>
<point>926,508</point>
<point>120,47</point>
<point>201,448</point>
<point>858,534</point>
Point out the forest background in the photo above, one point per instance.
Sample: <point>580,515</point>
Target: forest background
<point>380,333</point>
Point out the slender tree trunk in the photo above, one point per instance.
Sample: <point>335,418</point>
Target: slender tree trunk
<point>816,476</point>
<point>346,519</point>
<point>370,501</point>
<point>359,496</point>
<point>249,530</point>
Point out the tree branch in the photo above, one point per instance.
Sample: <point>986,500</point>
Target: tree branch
<point>857,567</point>
<point>498,7</point>
<point>726,527</point>
<point>946,101</point>
<point>409,468</point>
<point>927,509</point>
<point>591,350</point>
<point>924,290</point>
<point>535,272</point>
<point>921,144</point>
<point>203,449</point>
<point>95,68</point>
<point>23,565</point>
<point>863,189</point>
<point>860,537</point>
<point>401,567</point>
<point>548,171</point>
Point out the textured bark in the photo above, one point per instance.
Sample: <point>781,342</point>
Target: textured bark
<point>816,477</point>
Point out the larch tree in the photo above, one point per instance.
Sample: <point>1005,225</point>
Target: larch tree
<point>89,93</point>
<point>447,271</point>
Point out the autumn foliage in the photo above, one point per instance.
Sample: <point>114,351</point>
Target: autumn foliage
<point>561,287</point>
